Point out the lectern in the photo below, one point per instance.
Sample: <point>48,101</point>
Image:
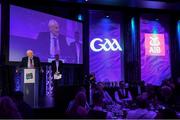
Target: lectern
<point>29,86</point>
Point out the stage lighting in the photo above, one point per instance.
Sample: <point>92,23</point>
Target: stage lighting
<point>157,19</point>
<point>107,16</point>
<point>80,17</point>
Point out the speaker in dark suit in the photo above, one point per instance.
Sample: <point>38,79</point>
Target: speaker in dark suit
<point>52,42</point>
<point>35,62</point>
<point>57,68</point>
<point>57,65</point>
<point>44,41</point>
<point>30,61</point>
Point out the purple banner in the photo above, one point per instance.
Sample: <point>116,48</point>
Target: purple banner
<point>45,34</point>
<point>155,51</point>
<point>106,46</point>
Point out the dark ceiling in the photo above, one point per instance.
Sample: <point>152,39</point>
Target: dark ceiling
<point>168,1</point>
<point>150,4</point>
<point>154,4</point>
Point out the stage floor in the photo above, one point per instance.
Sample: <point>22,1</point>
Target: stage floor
<point>46,102</point>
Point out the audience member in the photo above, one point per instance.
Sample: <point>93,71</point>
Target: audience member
<point>72,102</point>
<point>78,109</point>
<point>106,97</point>
<point>122,94</point>
<point>8,109</point>
<point>97,112</point>
<point>23,107</point>
<point>142,111</point>
<point>166,96</point>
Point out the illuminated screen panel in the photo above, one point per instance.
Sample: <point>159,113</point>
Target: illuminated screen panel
<point>155,50</point>
<point>178,33</point>
<point>106,47</point>
<point>46,35</point>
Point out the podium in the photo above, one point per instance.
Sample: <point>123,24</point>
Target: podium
<point>30,85</point>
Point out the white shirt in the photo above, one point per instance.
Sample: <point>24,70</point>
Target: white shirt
<point>54,40</point>
<point>57,65</point>
<point>29,62</point>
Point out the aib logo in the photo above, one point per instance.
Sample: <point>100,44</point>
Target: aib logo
<point>154,44</point>
<point>98,44</point>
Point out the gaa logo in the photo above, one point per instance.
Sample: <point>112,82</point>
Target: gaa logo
<point>98,44</point>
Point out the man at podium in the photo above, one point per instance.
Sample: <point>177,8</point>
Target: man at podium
<point>30,61</point>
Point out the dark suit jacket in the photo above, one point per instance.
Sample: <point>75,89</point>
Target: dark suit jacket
<point>24,62</point>
<point>74,51</point>
<point>54,66</point>
<point>43,49</point>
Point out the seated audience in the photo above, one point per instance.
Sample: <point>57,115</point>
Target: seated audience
<point>122,94</point>
<point>142,111</point>
<point>78,109</point>
<point>177,94</point>
<point>8,109</point>
<point>97,112</point>
<point>106,97</point>
<point>166,96</point>
<point>167,102</point>
<point>141,87</point>
<point>72,102</point>
<point>23,107</point>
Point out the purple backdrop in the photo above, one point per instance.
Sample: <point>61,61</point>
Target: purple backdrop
<point>28,27</point>
<point>155,65</point>
<point>108,66</point>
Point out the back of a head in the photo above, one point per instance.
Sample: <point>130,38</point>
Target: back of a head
<point>8,108</point>
<point>100,85</point>
<point>142,101</point>
<point>97,98</point>
<point>80,99</point>
<point>166,91</point>
<point>82,89</point>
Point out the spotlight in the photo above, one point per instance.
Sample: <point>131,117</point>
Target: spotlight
<point>107,16</point>
<point>86,0</point>
<point>80,17</point>
<point>157,19</point>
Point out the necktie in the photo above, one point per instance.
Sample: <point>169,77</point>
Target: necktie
<point>31,63</point>
<point>55,45</point>
<point>56,50</point>
<point>57,65</point>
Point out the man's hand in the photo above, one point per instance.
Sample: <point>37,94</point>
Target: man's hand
<point>42,70</point>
